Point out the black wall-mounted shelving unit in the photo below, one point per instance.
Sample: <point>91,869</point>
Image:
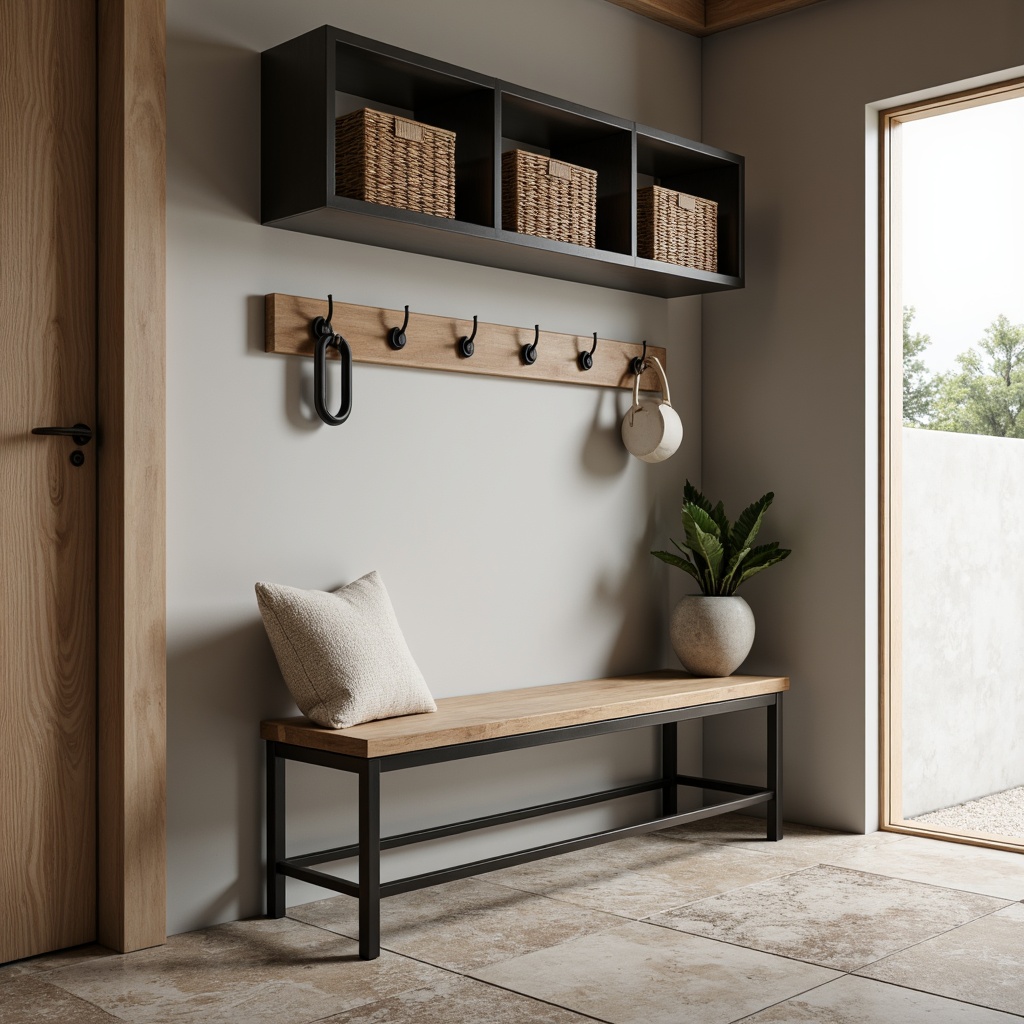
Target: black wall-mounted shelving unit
<point>310,80</point>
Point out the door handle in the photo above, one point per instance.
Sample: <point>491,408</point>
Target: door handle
<point>80,432</point>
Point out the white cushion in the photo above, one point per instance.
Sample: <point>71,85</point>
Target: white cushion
<point>342,654</point>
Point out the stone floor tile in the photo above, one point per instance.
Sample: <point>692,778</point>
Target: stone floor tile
<point>50,961</point>
<point>854,1000</point>
<point>638,877</point>
<point>832,916</point>
<point>640,974</point>
<point>28,999</point>
<point>981,962</point>
<point>462,925</point>
<point>952,865</point>
<point>256,972</point>
<point>745,832</point>
<point>456,1000</point>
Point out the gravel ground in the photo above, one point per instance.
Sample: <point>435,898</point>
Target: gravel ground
<point>1000,814</point>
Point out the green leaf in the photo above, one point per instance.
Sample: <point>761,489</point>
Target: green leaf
<point>680,563</point>
<point>761,558</point>
<point>731,566</point>
<point>706,547</point>
<point>680,547</point>
<point>691,496</point>
<point>762,553</point>
<point>722,520</point>
<point>710,548</point>
<point>749,522</point>
<point>753,570</point>
<point>702,518</point>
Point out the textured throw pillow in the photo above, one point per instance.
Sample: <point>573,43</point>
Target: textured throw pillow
<point>343,655</point>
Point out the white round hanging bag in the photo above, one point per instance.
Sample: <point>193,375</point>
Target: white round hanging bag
<point>652,429</point>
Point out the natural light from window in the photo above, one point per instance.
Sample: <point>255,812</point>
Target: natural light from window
<point>963,261</point>
<point>957,469</point>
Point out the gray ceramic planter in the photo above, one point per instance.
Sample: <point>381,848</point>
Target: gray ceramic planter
<point>712,635</point>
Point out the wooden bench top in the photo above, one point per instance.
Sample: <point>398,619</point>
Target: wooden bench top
<point>484,716</point>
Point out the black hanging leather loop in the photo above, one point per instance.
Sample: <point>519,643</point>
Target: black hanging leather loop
<point>325,339</point>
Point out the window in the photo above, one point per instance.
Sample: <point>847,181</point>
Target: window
<point>953,467</point>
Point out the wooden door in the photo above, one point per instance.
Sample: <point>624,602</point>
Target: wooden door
<point>47,501</point>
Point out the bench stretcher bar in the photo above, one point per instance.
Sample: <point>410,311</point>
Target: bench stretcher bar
<point>369,890</point>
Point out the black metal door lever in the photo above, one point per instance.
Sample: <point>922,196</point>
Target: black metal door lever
<point>80,432</point>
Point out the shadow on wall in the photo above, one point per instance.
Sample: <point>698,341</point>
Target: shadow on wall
<point>217,692</point>
<point>222,685</point>
<point>214,93</point>
<point>643,623</point>
<point>603,454</point>
<point>299,410</point>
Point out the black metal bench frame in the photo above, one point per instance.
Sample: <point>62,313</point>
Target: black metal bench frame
<point>370,890</point>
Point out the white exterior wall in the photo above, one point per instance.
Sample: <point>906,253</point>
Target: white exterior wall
<point>963,618</point>
<point>506,519</point>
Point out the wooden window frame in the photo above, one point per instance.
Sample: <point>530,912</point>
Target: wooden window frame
<point>890,313</point>
<point>131,619</point>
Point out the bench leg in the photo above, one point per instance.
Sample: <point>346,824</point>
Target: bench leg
<point>275,831</point>
<point>669,769</point>
<point>369,859</point>
<point>775,768</point>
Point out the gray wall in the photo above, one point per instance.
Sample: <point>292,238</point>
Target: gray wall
<point>963,608</point>
<point>509,525</point>
<point>789,379</point>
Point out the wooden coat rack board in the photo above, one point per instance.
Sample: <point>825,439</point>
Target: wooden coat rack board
<point>432,344</point>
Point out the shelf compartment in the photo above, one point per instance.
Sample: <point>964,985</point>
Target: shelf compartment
<point>309,80</point>
<point>577,135</point>
<point>698,170</point>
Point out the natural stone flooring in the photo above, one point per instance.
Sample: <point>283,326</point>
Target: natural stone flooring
<point>707,923</point>
<point>1000,814</point>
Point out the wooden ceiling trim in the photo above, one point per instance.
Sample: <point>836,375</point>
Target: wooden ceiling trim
<point>702,17</point>
<point>685,15</point>
<point>723,14</point>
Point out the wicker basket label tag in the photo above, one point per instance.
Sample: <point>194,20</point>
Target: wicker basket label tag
<point>686,202</point>
<point>559,170</point>
<point>408,130</point>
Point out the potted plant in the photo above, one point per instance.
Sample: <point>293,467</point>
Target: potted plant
<point>712,633</point>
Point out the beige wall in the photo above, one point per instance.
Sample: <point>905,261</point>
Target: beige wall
<point>505,517</point>
<point>789,379</point>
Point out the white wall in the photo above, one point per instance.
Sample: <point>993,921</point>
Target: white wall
<point>963,605</point>
<point>789,363</point>
<point>506,519</point>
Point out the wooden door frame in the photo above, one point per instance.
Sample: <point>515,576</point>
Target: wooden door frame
<point>131,618</point>
<point>890,309</point>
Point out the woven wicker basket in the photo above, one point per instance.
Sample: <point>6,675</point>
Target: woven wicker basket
<point>390,160</point>
<point>548,198</point>
<point>677,228</point>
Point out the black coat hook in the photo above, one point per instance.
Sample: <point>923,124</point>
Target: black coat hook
<point>586,359</point>
<point>639,363</point>
<point>466,346</point>
<point>321,325</point>
<point>529,352</point>
<point>325,338</point>
<point>396,336</point>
